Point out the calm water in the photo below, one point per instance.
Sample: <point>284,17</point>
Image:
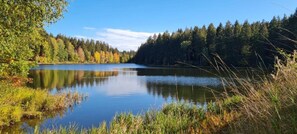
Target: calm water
<point>115,88</point>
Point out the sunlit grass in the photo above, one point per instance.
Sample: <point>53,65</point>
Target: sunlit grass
<point>270,107</point>
<point>20,102</point>
<point>252,105</point>
<point>171,118</point>
<point>264,106</point>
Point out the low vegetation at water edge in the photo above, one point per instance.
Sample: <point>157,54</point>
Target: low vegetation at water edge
<point>268,106</point>
<point>20,102</point>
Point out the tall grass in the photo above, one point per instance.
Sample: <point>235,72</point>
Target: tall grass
<point>172,118</point>
<point>256,105</point>
<point>270,107</point>
<point>19,102</point>
<point>267,104</point>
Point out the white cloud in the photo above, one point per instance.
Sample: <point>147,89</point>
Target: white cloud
<point>125,85</point>
<point>89,28</point>
<point>82,37</point>
<point>122,39</point>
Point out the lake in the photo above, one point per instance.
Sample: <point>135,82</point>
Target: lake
<point>116,88</point>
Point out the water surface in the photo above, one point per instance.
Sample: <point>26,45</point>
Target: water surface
<point>116,88</point>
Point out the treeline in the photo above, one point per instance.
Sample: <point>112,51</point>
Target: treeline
<point>23,40</point>
<point>62,49</point>
<point>236,44</point>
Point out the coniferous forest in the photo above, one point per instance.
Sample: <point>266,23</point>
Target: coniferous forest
<point>247,44</point>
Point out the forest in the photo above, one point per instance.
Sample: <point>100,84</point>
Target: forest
<point>30,97</point>
<point>240,45</point>
<point>24,42</point>
<point>61,49</point>
<point>49,49</point>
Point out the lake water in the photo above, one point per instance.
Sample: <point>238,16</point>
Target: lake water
<point>116,88</point>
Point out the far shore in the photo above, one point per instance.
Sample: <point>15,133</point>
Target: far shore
<point>151,65</point>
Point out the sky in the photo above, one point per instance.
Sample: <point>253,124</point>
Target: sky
<point>125,24</point>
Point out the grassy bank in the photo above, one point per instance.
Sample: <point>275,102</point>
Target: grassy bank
<point>253,105</point>
<point>18,102</point>
<point>172,118</point>
<point>266,105</point>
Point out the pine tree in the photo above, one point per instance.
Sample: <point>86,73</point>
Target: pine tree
<point>211,39</point>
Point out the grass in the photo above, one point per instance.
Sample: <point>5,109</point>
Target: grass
<point>172,118</point>
<point>270,107</point>
<point>18,102</point>
<point>253,105</point>
<point>265,105</point>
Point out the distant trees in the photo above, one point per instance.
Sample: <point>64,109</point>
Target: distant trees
<point>237,44</point>
<point>97,57</point>
<point>23,41</point>
<point>64,49</point>
<point>72,56</point>
<point>81,54</point>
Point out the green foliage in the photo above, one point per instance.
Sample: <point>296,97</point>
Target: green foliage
<point>19,67</point>
<point>14,58</point>
<point>23,41</point>
<point>236,44</point>
<point>62,49</point>
<point>62,52</point>
<point>70,51</point>
<point>54,49</point>
<point>232,102</point>
<point>20,26</point>
<point>185,44</point>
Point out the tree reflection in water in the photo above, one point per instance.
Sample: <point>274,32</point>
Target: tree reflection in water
<point>59,79</point>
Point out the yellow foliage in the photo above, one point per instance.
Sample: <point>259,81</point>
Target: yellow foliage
<point>41,59</point>
<point>97,57</point>
<point>110,57</point>
<point>103,57</point>
<point>116,58</point>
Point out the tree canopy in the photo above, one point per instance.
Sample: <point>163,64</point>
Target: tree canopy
<point>247,44</point>
<point>62,49</point>
<point>21,27</point>
<point>24,42</point>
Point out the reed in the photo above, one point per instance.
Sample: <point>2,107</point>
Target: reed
<point>19,102</point>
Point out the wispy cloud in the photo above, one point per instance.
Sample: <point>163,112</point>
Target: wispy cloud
<point>123,39</point>
<point>89,28</point>
<point>82,37</point>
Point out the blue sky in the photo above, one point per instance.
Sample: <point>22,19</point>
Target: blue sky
<point>126,24</point>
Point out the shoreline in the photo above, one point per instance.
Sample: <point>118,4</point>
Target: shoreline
<point>148,65</point>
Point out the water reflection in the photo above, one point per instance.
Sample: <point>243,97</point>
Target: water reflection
<point>176,84</point>
<point>193,94</point>
<point>59,79</point>
<point>122,88</point>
